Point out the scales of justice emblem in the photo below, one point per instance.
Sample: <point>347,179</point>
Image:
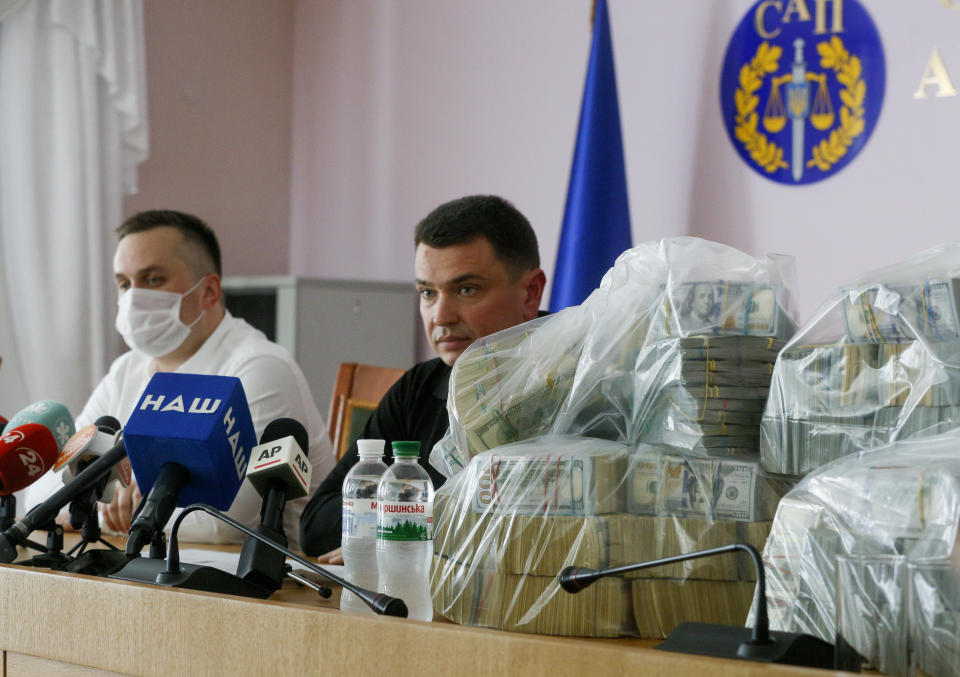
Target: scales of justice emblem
<point>800,94</point>
<point>798,107</point>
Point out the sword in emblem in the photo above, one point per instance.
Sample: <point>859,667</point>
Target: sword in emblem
<point>798,96</point>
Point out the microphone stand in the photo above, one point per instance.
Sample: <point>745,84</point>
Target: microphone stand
<point>8,511</point>
<point>709,639</point>
<point>379,602</point>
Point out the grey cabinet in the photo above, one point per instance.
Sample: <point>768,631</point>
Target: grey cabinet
<point>325,322</point>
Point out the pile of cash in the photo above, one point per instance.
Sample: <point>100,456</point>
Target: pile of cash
<point>543,545</point>
<point>831,401</point>
<point>891,502</point>
<point>707,394</point>
<point>695,377</point>
<point>507,525</point>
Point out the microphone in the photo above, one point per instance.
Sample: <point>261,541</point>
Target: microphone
<point>189,440</point>
<point>88,444</point>
<point>708,639</point>
<point>26,452</point>
<point>173,575</point>
<point>45,512</point>
<point>55,416</point>
<point>279,471</point>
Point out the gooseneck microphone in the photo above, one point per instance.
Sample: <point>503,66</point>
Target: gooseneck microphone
<point>279,470</point>
<point>379,602</point>
<point>707,639</point>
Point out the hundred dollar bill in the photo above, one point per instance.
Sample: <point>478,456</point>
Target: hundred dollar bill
<point>548,483</point>
<point>722,307</point>
<point>722,489</point>
<point>891,313</point>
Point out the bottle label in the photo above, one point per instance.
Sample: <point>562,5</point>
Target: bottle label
<point>405,522</point>
<point>359,518</point>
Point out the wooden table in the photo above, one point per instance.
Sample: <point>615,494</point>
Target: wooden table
<point>67,624</point>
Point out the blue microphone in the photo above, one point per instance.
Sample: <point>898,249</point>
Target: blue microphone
<point>189,441</point>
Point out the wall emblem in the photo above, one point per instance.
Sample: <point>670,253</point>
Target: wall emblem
<point>802,86</point>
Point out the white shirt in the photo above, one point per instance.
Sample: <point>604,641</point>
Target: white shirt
<point>275,388</point>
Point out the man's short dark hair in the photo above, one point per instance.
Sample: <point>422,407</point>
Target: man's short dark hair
<point>467,218</point>
<point>193,229</point>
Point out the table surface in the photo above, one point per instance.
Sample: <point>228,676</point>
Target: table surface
<point>141,629</point>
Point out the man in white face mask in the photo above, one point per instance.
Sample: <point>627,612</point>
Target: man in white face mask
<point>170,313</point>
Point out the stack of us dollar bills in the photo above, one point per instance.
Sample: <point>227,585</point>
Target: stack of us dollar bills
<point>900,500</point>
<point>892,375</point>
<point>706,394</point>
<point>514,519</point>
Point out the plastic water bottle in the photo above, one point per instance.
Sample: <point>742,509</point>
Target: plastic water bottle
<point>405,531</point>
<point>358,535</point>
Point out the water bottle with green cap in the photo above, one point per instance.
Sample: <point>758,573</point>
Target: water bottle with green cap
<point>405,531</point>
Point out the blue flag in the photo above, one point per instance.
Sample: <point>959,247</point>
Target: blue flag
<point>596,220</point>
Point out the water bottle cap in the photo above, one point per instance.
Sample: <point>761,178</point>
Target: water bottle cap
<point>406,448</point>
<point>370,447</point>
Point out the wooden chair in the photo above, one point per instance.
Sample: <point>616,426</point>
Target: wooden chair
<point>356,393</point>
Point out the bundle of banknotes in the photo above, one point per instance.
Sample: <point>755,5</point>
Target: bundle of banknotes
<point>830,401</point>
<point>543,545</point>
<point>734,489</point>
<point>507,525</point>
<point>706,394</point>
<point>723,308</point>
<point>895,312</point>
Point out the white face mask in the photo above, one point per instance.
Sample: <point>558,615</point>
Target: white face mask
<point>149,320</point>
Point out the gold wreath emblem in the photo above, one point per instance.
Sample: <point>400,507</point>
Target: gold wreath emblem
<point>848,69</point>
<point>764,152</point>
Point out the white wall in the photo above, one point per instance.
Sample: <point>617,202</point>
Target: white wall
<point>399,106</point>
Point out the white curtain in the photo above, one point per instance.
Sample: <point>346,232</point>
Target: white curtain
<point>73,129</point>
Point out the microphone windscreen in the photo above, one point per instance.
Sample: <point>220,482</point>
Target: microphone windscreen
<point>26,453</point>
<point>84,447</point>
<point>280,460</point>
<point>201,422</point>
<point>284,427</point>
<point>107,424</point>
<point>55,416</point>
